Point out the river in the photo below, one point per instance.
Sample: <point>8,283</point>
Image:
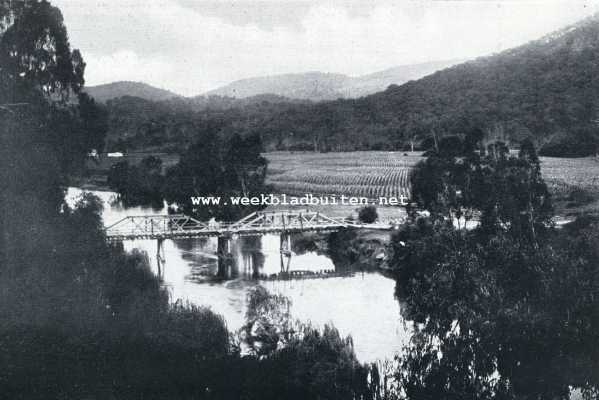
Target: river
<point>361,304</point>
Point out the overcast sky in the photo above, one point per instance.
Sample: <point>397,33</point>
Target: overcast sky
<point>190,46</point>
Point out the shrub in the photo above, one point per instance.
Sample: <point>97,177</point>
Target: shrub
<point>368,214</point>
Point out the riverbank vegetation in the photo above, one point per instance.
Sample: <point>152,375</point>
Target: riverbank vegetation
<point>141,184</point>
<point>212,167</point>
<point>81,318</point>
<point>504,310</point>
<point>215,166</point>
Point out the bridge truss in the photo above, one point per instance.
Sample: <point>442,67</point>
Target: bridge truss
<point>258,223</point>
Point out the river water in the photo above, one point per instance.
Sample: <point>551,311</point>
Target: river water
<point>360,304</point>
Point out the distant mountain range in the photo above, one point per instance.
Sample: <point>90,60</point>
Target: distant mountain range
<point>109,91</point>
<point>317,86</point>
<point>314,86</point>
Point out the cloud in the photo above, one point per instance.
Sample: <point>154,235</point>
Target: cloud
<point>266,15</point>
<point>191,47</point>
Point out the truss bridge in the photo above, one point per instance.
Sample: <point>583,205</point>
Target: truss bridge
<point>259,223</point>
<point>283,223</point>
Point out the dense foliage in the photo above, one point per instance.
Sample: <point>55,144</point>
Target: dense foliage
<point>213,167</point>
<point>505,308</point>
<point>219,168</point>
<point>368,214</point>
<point>141,184</point>
<point>171,125</point>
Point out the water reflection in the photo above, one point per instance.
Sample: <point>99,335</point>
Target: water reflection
<point>358,303</point>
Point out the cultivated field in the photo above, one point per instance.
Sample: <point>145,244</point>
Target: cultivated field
<point>374,174</point>
<point>564,174</point>
<point>370,174</point>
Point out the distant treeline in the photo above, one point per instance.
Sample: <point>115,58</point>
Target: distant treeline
<point>545,91</point>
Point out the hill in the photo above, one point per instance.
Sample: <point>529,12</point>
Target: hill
<point>378,81</point>
<point>103,93</point>
<point>546,90</point>
<point>318,86</point>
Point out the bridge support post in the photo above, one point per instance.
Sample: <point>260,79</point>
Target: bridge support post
<point>285,251</point>
<point>160,257</point>
<point>225,258</point>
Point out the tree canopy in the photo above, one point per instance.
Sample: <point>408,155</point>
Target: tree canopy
<point>217,167</point>
<point>502,308</point>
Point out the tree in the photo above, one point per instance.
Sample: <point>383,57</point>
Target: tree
<point>268,323</point>
<point>94,119</point>
<point>368,214</point>
<point>67,297</point>
<point>35,51</point>
<point>246,162</point>
<point>218,167</point>
<point>493,304</point>
<point>141,184</point>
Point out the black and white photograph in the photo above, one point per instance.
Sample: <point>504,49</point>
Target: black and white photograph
<point>299,200</point>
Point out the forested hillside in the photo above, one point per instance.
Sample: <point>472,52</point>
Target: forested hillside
<point>171,125</point>
<point>545,90</point>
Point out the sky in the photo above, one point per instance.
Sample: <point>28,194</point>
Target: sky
<point>190,46</point>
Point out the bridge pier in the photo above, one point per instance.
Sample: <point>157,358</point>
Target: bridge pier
<point>285,251</point>
<point>160,257</point>
<point>225,258</point>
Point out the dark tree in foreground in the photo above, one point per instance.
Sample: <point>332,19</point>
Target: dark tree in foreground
<point>505,309</point>
<point>80,318</point>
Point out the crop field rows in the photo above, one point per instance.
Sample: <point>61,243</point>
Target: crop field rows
<point>377,174</point>
<point>364,174</point>
<point>563,174</point>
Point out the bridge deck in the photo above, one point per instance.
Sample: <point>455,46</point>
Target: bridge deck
<point>259,223</point>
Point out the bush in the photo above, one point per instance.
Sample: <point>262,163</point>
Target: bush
<point>368,215</point>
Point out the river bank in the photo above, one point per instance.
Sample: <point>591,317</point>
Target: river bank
<point>345,297</point>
